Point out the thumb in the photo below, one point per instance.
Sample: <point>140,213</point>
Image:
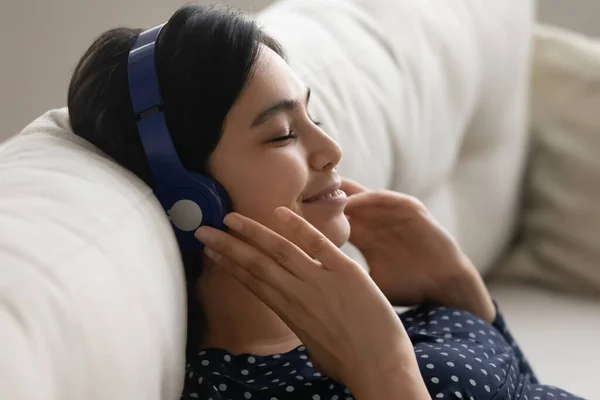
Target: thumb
<point>352,187</point>
<point>358,202</point>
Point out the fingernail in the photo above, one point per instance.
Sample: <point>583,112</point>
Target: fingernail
<point>213,255</point>
<point>204,235</point>
<point>233,221</point>
<point>282,214</point>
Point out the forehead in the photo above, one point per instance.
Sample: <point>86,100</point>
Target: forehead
<point>272,80</point>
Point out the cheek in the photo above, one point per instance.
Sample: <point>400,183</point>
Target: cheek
<point>259,183</point>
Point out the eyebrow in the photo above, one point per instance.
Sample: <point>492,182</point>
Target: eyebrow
<point>280,106</point>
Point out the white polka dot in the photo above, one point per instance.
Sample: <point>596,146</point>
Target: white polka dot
<point>458,325</point>
<point>200,380</point>
<point>205,362</point>
<point>549,394</point>
<point>287,364</point>
<point>202,353</point>
<point>448,336</point>
<point>497,377</point>
<point>478,359</point>
<point>316,397</point>
<point>440,395</point>
<point>472,335</point>
<point>247,395</point>
<point>244,372</point>
<point>250,381</point>
<point>331,387</point>
<point>456,313</point>
<point>430,313</point>
<point>462,356</point>
<point>277,356</point>
<point>433,322</point>
<point>251,360</point>
<point>468,366</point>
<point>308,384</point>
<point>445,317</point>
<point>273,398</point>
<point>301,348</point>
<point>493,365</point>
<point>317,374</point>
<point>303,357</point>
<point>293,372</point>
<point>275,380</point>
<point>424,356</point>
<point>439,340</point>
<point>310,364</point>
<point>458,394</point>
<point>450,364</point>
<point>300,378</point>
<point>454,378</point>
<point>435,380</point>
<point>195,395</point>
<point>227,357</point>
<point>564,395</point>
<point>472,382</point>
<point>444,354</point>
<point>430,366</point>
<point>334,397</point>
<point>222,387</point>
<point>269,373</point>
<point>487,388</point>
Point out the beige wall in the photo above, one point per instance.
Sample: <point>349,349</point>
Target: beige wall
<point>41,40</point>
<point>46,39</point>
<point>581,15</point>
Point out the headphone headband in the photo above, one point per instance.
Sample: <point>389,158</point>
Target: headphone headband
<point>189,199</point>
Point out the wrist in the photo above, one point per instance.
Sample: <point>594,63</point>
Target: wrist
<point>466,290</point>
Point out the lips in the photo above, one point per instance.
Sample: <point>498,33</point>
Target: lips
<point>327,191</point>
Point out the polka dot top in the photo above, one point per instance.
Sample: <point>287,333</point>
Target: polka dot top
<point>460,357</point>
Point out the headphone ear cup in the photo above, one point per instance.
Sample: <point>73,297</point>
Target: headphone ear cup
<point>216,198</point>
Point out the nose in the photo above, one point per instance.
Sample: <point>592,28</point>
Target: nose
<point>325,153</point>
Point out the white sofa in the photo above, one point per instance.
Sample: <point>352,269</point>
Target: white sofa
<point>427,98</point>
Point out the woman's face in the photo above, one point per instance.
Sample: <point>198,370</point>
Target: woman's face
<point>272,154</point>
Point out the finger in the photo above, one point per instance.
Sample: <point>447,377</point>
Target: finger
<point>383,200</point>
<point>260,266</point>
<point>281,250</point>
<point>298,230</point>
<point>351,187</point>
<point>273,297</point>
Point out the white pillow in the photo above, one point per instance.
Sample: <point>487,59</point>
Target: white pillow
<point>560,238</point>
<point>92,294</point>
<point>425,97</point>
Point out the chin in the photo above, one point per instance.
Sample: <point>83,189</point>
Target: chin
<point>336,229</point>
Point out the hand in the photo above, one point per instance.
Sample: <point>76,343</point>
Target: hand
<point>330,303</point>
<point>411,257</point>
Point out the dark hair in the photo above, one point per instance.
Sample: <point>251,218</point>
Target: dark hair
<point>204,58</point>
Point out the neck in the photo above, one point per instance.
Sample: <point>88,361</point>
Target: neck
<point>237,320</point>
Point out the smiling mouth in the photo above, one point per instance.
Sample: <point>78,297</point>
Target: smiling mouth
<point>333,195</point>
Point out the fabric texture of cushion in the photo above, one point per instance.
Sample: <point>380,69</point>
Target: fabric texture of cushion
<point>92,294</point>
<point>424,97</point>
<point>560,239</point>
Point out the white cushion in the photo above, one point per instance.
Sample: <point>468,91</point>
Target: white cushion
<point>427,98</point>
<point>424,97</point>
<point>560,241</point>
<point>92,295</point>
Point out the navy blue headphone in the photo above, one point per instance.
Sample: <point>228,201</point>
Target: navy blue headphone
<point>190,199</point>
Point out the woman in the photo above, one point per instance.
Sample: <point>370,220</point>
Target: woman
<point>276,310</point>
